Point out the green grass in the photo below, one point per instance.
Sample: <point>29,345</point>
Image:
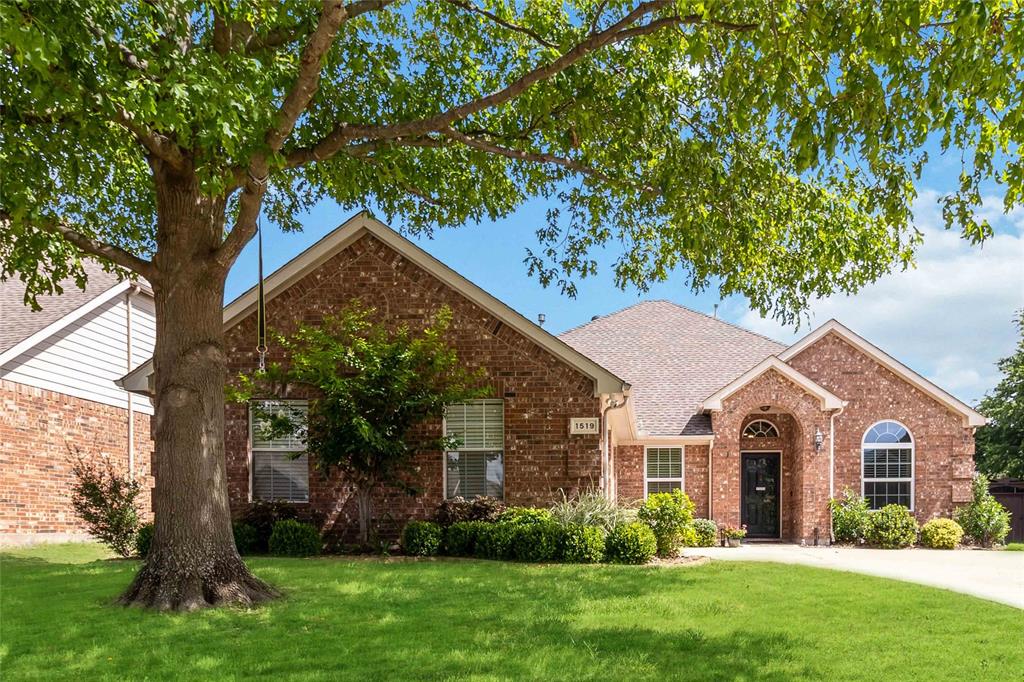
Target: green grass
<point>449,619</point>
<point>1015,547</point>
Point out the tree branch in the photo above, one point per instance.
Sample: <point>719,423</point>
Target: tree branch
<point>537,157</point>
<point>620,31</point>
<point>114,254</point>
<point>161,146</point>
<point>245,223</point>
<point>469,7</point>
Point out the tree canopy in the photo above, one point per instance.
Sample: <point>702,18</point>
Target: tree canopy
<point>1000,443</point>
<point>771,144</point>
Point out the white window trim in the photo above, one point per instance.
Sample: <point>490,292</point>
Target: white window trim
<point>251,458</point>
<point>778,433</point>
<point>504,450</point>
<point>890,446</point>
<point>682,467</point>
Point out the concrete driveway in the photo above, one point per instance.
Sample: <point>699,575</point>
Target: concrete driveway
<point>994,575</point>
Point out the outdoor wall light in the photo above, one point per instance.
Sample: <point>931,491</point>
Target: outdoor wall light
<point>819,438</point>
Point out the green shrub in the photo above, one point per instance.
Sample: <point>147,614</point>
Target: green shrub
<point>294,538</point>
<point>537,541</point>
<point>984,520</point>
<point>589,508</point>
<point>458,509</point>
<point>246,541</point>
<point>892,527</point>
<point>520,516</point>
<point>941,534</point>
<point>262,515</point>
<point>105,500</point>
<point>460,537</point>
<point>669,515</point>
<point>494,540</point>
<point>144,540</point>
<point>850,516</point>
<point>705,533</point>
<point>421,538</point>
<point>583,544</point>
<point>630,543</point>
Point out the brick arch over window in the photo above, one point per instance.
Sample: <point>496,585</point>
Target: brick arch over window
<point>810,500</point>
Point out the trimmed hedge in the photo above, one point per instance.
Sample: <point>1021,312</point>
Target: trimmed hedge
<point>460,537</point>
<point>459,509</point>
<point>892,527</point>
<point>246,537</point>
<point>537,541</point>
<point>294,538</point>
<point>850,517</point>
<point>631,543</point>
<point>494,541</point>
<point>705,532</point>
<point>941,534</point>
<point>421,538</point>
<point>583,544</point>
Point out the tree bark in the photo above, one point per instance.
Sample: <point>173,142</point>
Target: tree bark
<point>364,507</point>
<point>193,562</point>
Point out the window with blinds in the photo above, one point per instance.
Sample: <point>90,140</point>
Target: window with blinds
<point>887,466</point>
<point>477,467</point>
<point>280,466</point>
<point>664,470</point>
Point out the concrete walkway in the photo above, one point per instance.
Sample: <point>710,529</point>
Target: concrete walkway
<point>994,575</point>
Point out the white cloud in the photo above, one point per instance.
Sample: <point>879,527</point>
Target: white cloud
<point>950,318</point>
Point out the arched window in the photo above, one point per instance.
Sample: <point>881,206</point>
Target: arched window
<point>887,465</point>
<point>760,428</point>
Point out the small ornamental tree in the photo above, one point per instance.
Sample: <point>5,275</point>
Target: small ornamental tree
<point>107,502</point>
<point>374,386</point>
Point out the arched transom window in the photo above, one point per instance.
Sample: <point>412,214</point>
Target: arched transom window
<point>887,471</point>
<point>760,428</point>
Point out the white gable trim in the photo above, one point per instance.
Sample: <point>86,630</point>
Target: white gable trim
<point>346,234</point>
<point>829,401</point>
<point>971,416</point>
<point>54,327</point>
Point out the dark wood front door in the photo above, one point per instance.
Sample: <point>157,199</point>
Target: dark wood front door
<point>759,501</point>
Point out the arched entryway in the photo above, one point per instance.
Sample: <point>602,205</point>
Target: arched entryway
<point>769,443</point>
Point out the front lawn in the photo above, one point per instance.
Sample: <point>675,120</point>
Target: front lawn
<point>451,619</point>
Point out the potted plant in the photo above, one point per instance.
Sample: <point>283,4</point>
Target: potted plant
<point>733,535</point>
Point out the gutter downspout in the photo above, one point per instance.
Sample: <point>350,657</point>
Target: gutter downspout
<point>832,464</point>
<point>711,449</point>
<point>606,437</point>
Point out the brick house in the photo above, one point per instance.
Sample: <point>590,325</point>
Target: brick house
<point>653,397</point>
<point>58,368</point>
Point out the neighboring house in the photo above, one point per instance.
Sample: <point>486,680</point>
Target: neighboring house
<point>57,397</point>
<point>653,397</point>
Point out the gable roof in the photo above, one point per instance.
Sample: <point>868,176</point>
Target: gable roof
<point>829,401</point>
<point>673,358</point>
<point>23,328</point>
<point>971,416</point>
<point>346,234</point>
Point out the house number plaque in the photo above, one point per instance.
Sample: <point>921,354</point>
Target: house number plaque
<point>584,425</point>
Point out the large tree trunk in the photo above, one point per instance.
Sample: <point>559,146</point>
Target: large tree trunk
<point>193,562</point>
<point>364,509</point>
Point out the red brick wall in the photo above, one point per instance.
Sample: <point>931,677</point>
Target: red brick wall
<point>540,392</point>
<point>696,464</point>
<point>37,428</point>
<point>943,447</point>
<point>629,472</point>
<point>805,471</point>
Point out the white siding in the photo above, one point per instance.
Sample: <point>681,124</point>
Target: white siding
<point>85,358</point>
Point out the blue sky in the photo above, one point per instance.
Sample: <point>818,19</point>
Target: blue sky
<point>949,319</point>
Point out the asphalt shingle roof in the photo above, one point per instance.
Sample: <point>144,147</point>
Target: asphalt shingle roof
<point>18,321</point>
<point>673,357</point>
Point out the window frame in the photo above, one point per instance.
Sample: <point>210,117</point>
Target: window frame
<point>778,434</point>
<point>682,467</point>
<point>445,453</point>
<point>253,450</point>
<point>911,447</point>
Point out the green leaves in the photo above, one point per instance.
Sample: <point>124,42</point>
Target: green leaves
<point>770,147</point>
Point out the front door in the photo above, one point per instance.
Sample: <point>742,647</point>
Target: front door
<point>759,501</point>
